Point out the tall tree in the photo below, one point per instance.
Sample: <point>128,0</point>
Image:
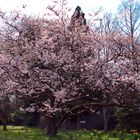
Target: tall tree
<point>65,71</point>
<point>129,19</point>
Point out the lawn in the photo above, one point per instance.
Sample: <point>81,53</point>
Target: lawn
<point>24,133</point>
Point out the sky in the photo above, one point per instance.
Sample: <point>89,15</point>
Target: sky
<point>37,7</point>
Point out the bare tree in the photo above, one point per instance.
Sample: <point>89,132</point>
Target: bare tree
<point>129,19</point>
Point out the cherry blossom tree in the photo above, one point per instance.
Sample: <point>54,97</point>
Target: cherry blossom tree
<point>58,67</point>
<point>6,95</point>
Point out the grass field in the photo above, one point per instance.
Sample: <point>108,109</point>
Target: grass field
<point>24,133</point>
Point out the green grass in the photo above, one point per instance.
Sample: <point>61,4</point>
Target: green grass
<point>24,133</point>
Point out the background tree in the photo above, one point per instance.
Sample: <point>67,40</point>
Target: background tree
<point>129,20</point>
<point>6,98</point>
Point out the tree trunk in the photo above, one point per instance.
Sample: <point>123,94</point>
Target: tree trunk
<point>4,127</point>
<point>78,121</point>
<point>52,128</point>
<point>106,117</point>
<point>4,124</point>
